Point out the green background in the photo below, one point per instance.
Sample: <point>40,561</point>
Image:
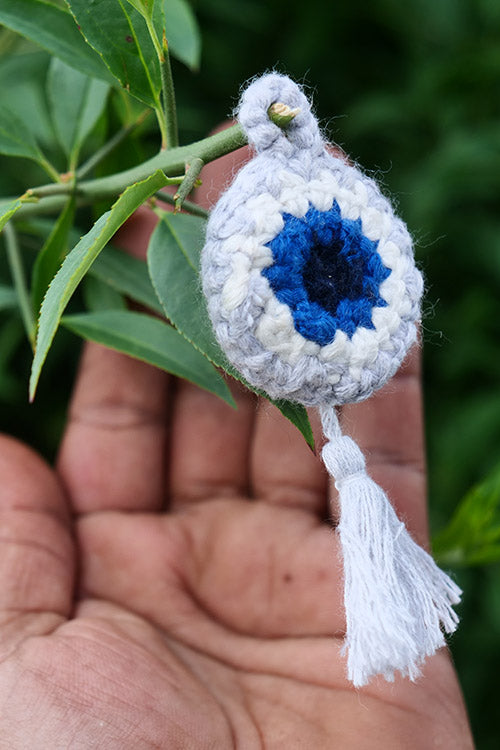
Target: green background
<point>411,91</point>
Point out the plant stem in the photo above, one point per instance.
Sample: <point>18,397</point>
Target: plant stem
<point>168,96</point>
<point>281,114</point>
<point>192,172</point>
<point>191,208</point>
<point>108,147</point>
<point>62,189</point>
<point>162,123</point>
<point>19,279</point>
<point>51,171</point>
<point>173,161</point>
<point>167,118</point>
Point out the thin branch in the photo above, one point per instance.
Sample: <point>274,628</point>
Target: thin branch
<point>19,279</point>
<point>42,192</point>
<point>167,116</point>
<point>108,147</point>
<point>50,169</point>
<point>281,114</point>
<point>168,97</point>
<point>171,161</point>
<point>188,206</point>
<point>193,170</point>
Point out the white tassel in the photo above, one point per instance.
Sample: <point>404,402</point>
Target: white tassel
<point>396,598</point>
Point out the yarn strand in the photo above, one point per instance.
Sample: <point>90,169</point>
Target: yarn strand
<point>397,600</point>
<point>314,296</point>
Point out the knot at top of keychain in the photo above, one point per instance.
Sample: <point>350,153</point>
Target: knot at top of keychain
<point>302,134</point>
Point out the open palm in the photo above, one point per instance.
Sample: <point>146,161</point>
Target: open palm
<point>202,609</point>
<point>174,582</point>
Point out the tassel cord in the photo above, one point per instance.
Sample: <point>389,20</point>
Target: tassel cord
<point>397,600</point>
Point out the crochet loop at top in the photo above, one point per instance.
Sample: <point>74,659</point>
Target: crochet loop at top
<point>302,133</point>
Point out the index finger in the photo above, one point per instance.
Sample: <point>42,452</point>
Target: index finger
<point>113,453</point>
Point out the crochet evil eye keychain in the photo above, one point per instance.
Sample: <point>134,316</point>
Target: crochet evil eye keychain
<point>314,296</point>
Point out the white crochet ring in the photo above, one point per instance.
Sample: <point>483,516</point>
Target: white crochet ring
<point>314,296</point>
<point>276,344</point>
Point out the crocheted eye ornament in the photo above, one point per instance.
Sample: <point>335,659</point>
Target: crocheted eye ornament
<point>314,296</point>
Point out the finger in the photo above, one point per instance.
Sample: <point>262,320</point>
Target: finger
<point>113,452</point>
<point>388,427</point>
<point>283,468</point>
<point>36,549</point>
<point>210,444</point>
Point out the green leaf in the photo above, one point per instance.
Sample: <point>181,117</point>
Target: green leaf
<point>22,83</point>
<point>189,232</point>
<point>173,268</point>
<point>127,275</point>
<point>54,29</point>
<point>79,260</point>
<point>173,260</point>
<point>120,35</point>
<point>15,137</point>
<point>51,255</point>
<point>150,340</point>
<point>16,264</point>
<point>182,31</point>
<point>76,103</point>
<point>7,211</point>
<point>145,7</point>
<point>297,414</point>
<point>100,296</point>
<point>8,297</point>
<point>472,536</point>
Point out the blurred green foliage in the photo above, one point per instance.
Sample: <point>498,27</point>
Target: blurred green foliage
<point>412,92</point>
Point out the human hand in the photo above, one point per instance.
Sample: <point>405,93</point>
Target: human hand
<point>173,583</point>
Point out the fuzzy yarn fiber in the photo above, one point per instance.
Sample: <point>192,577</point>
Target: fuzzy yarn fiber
<point>309,276</point>
<point>314,296</point>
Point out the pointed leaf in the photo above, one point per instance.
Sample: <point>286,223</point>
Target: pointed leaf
<point>76,103</point>
<point>297,415</point>
<point>119,34</point>
<point>79,260</point>
<point>152,341</point>
<point>145,7</point>
<point>189,232</point>
<point>473,533</point>
<point>7,211</point>
<point>54,29</point>
<point>127,275</point>
<point>51,255</point>
<point>177,283</point>
<point>22,80</point>
<point>182,32</point>
<point>173,261</point>
<point>15,138</point>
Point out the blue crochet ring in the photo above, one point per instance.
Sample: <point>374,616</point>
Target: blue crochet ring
<point>327,272</point>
